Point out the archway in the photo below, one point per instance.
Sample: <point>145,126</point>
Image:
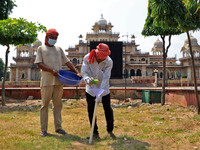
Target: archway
<point>139,73</point>
<point>125,73</point>
<point>161,74</point>
<point>132,72</point>
<point>74,61</point>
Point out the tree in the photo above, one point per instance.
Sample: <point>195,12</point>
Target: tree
<point>16,31</point>
<point>163,19</point>
<point>192,22</point>
<point>6,7</point>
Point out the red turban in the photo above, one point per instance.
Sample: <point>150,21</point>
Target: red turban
<point>102,52</point>
<point>50,32</point>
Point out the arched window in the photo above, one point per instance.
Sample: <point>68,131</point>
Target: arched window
<point>161,75</point>
<point>139,73</point>
<point>22,76</point>
<point>125,73</point>
<point>132,72</point>
<point>74,61</point>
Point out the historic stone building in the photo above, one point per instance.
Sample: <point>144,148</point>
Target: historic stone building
<point>136,64</point>
<point>186,63</point>
<point>24,69</point>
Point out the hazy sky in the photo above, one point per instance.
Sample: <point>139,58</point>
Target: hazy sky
<point>74,17</point>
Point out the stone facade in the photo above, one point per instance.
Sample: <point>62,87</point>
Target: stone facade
<point>136,64</point>
<point>24,69</point>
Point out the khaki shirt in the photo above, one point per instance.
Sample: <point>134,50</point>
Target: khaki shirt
<point>54,58</point>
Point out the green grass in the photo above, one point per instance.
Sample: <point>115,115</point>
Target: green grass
<point>139,128</point>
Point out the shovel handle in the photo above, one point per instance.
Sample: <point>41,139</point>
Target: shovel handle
<point>93,121</point>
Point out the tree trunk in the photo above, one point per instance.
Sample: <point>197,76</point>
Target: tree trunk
<point>194,72</point>
<point>165,51</point>
<point>4,77</point>
<point>164,72</point>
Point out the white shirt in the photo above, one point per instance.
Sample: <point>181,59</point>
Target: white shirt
<point>100,71</point>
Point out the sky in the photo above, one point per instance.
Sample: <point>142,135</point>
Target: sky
<point>74,17</point>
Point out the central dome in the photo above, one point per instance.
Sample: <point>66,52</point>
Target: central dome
<point>102,21</point>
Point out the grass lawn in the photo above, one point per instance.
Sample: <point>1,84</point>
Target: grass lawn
<point>141,127</point>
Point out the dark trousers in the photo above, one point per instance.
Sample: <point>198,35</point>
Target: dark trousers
<point>107,110</point>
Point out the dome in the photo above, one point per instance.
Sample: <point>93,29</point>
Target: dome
<point>96,23</point>
<point>193,41</point>
<point>102,21</point>
<point>158,44</point>
<point>37,43</point>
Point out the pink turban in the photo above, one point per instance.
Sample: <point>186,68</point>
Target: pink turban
<point>50,32</point>
<point>102,52</point>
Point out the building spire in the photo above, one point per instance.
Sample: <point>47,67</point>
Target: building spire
<point>101,16</point>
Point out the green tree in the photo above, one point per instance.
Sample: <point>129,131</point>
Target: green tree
<point>16,31</point>
<point>163,19</point>
<point>192,22</point>
<point>6,7</point>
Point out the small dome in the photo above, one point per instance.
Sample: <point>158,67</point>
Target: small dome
<point>193,41</point>
<point>102,21</point>
<point>158,44</point>
<point>37,43</point>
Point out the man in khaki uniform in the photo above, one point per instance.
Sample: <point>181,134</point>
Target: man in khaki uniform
<point>50,59</point>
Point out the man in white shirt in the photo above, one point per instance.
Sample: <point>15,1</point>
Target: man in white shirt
<point>98,65</point>
<point>50,59</point>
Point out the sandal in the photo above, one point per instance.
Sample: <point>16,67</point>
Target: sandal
<point>43,133</point>
<point>60,131</point>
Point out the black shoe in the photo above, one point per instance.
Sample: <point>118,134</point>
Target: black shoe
<point>61,131</point>
<point>110,134</point>
<point>43,133</point>
<point>95,136</point>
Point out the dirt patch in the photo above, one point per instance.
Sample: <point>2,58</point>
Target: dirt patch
<point>12,104</point>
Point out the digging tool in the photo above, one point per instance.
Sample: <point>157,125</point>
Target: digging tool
<point>97,92</point>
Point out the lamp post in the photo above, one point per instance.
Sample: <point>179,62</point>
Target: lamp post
<point>125,73</point>
<point>156,77</point>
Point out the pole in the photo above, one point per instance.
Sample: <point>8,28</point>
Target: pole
<point>125,72</point>
<point>93,122</point>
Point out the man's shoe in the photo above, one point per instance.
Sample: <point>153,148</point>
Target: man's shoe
<point>43,133</point>
<point>61,131</point>
<point>95,136</point>
<point>110,134</point>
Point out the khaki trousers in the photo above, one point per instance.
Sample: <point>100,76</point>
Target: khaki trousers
<point>53,93</point>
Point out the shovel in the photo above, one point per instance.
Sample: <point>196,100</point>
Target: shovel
<point>97,92</point>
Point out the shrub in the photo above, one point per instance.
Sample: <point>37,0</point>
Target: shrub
<point>184,76</point>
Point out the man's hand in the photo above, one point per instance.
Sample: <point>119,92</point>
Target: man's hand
<point>79,75</point>
<point>99,99</point>
<point>89,81</point>
<point>55,72</point>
